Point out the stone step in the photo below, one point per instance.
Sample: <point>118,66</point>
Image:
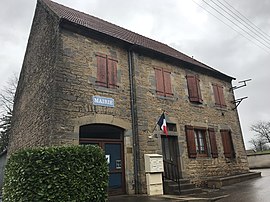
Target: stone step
<point>218,182</point>
<point>171,187</point>
<point>190,191</point>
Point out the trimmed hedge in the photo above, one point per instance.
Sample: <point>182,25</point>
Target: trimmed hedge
<point>67,173</point>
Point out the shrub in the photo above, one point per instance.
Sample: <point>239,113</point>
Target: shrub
<point>66,174</point>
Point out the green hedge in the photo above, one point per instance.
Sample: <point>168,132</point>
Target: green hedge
<point>66,174</point>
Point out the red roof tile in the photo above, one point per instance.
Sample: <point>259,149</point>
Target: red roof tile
<point>123,34</point>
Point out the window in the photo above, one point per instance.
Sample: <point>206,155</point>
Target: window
<point>172,127</point>
<point>219,95</point>
<point>227,143</point>
<point>194,90</point>
<point>163,82</point>
<point>196,142</point>
<point>106,71</point>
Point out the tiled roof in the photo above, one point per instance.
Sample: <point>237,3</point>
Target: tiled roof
<point>123,34</point>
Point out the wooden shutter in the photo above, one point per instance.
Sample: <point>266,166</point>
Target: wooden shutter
<point>191,146</point>
<point>159,81</point>
<point>215,89</point>
<point>167,83</point>
<point>213,142</point>
<point>198,89</point>
<point>194,91</point>
<point>221,96</point>
<point>112,73</point>
<point>101,71</point>
<point>227,143</point>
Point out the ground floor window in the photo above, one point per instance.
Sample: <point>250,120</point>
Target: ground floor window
<point>200,142</point>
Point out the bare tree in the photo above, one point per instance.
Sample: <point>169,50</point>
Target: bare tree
<point>259,144</point>
<point>262,130</point>
<point>7,94</point>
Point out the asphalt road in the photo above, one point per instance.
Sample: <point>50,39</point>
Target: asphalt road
<point>254,190</point>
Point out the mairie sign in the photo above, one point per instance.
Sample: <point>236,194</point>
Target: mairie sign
<point>103,101</point>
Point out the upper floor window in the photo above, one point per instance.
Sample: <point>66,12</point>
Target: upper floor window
<point>163,82</point>
<point>106,71</point>
<point>227,143</point>
<point>219,95</point>
<point>194,90</point>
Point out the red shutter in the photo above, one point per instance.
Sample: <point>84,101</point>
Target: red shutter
<point>215,89</point>
<point>191,146</point>
<point>159,81</point>
<point>198,89</point>
<point>213,142</point>
<point>101,71</point>
<point>167,83</point>
<point>194,88</point>
<point>221,96</point>
<point>227,143</point>
<point>112,73</point>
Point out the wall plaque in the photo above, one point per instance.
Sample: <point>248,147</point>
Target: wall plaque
<point>103,101</point>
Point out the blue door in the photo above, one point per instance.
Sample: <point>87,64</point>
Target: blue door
<point>114,155</point>
<point>110,139</point>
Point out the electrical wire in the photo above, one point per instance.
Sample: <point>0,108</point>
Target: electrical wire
<point>248,38</point>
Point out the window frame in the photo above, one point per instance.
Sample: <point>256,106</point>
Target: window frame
<point>163,82</point>
<point>193,142</point>
<point>199,151</point>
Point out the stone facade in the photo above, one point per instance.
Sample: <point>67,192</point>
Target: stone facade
<point>58,80</point>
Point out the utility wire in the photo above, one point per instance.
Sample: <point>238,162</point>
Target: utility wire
<point>241,22</point>
<point>267,51</point>
<point>249,22</point>
<point>235,23</point>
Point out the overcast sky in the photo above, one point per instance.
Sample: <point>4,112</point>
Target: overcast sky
<point>182,24</point>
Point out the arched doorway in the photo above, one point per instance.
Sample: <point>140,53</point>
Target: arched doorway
<point>110,139</point>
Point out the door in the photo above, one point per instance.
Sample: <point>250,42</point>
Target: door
<point>114,155</point>
<point>110,139</point>
<point>170,152</point>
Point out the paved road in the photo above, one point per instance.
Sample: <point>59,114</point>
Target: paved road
<point>254,190</point>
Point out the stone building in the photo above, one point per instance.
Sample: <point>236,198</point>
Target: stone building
<point>87,81</point>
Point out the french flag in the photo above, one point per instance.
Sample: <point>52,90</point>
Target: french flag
<point>162,124</point>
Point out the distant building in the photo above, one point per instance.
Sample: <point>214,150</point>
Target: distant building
<point>87,81</point>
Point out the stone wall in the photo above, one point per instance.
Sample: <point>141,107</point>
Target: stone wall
<point>180,111</point>
<point>33,107</point>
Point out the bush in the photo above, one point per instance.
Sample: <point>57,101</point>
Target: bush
<point>66,174</point>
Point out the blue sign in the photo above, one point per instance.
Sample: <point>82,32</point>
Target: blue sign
<point>103,101</point>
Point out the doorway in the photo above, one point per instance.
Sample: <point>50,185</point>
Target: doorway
<point>110,139</point>
<point>170,152</point>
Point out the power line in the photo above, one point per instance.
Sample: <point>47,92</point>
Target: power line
<point>236,17</point>
<point>267,51</point>
<point>235,24</point>
<point>249,22</point>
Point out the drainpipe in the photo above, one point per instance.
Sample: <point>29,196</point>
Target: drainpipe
<point>134,117</point>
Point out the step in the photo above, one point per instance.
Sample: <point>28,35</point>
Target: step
<point>190,191</point>
<point>217,183</point>
<point>171,187</point>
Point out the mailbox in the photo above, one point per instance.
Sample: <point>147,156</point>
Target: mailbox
<point>153,171</point>
<point>153,163</point>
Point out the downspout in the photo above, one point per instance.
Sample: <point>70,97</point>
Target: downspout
<point>134,117</point>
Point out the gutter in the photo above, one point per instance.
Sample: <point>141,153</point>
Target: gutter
<point>134,117</point>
